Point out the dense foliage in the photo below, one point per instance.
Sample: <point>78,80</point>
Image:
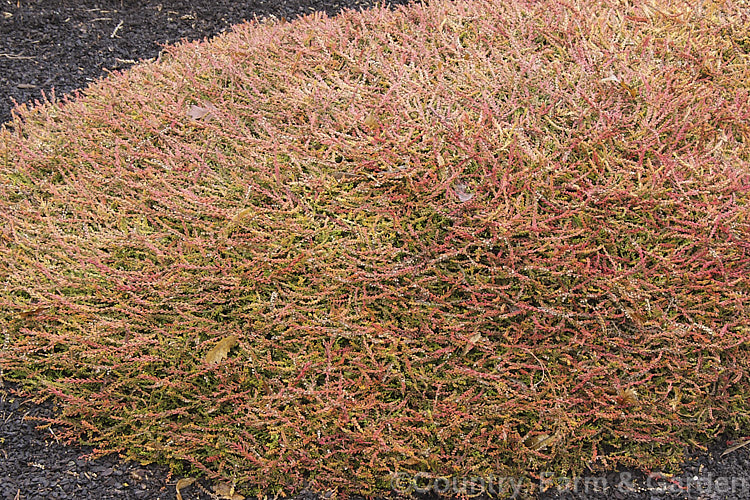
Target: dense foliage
<point>463,238</point>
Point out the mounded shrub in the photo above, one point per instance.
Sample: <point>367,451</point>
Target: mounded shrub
<point>463,239</point>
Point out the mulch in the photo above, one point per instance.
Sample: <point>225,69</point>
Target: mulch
<point>54,48</point>
<point>64,45</point>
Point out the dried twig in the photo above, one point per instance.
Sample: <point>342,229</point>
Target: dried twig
<point>117,28</point>
<point>15,56</point>
<point>735,447</point>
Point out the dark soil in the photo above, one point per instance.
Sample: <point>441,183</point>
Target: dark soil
<point>64,45</point>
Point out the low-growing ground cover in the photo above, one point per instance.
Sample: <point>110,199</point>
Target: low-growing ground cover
<point>468,239</point>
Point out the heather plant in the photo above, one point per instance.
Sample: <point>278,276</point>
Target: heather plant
<point>462,239</point>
